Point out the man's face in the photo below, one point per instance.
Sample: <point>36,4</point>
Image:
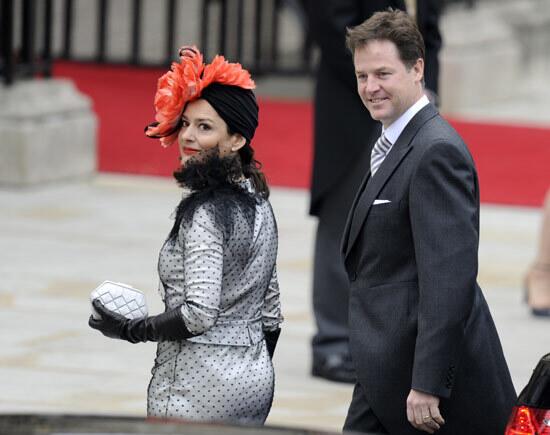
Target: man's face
<point>386,86</point>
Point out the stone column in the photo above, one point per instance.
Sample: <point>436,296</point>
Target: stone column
<point>47,132</point>
<point>480,58</point>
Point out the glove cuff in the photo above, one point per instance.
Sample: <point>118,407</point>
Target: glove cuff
<point>168,326</point>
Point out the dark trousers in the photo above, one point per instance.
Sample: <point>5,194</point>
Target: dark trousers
<point>331,286</point>
<point>360,416</point>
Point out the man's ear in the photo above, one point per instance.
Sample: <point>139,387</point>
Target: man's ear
<point>237,142</point>
<point>418,68</point>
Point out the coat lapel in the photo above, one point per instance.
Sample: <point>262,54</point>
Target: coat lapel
<point>345,237</point>
<point>374,185</point>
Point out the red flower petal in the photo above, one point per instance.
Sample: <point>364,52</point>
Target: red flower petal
<point>185,82</point>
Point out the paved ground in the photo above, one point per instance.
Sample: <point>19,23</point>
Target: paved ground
<point>57,242</point>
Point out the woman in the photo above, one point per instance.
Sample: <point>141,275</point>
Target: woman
<point>217,269</point>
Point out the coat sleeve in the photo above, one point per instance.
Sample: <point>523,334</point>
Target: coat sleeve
<point>444,214</point>
<point>202,242</point>
<point>271,310</point>
<point>327,28</point>
<point>428,17</point>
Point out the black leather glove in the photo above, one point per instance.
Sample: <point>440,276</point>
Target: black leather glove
<point>168,326</point>
<point>271,338</point>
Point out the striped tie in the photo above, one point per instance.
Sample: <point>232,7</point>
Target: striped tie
<point>379,151</point>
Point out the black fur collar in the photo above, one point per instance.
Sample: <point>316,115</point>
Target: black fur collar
<point>213,172</point>
<point>218,181</point>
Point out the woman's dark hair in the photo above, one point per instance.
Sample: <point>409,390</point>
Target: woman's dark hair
<point>217,183</point>
<point>239,109</point>
<point>252,169</point>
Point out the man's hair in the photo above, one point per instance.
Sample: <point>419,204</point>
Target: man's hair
<point>392,25</point>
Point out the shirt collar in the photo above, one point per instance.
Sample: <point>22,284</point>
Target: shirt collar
<point>393,132</point>
<point>247,185</point>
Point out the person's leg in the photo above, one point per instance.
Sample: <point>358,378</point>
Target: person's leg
<point>360,416</point>
<point>538,276</point>
<point>331,359</point>
<point>331,287</point>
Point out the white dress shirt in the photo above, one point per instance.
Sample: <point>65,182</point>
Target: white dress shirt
<point>393,132</point>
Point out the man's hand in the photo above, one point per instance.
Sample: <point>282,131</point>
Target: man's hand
<point>423,411</point>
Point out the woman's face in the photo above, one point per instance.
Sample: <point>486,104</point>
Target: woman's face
<point>203,130</point>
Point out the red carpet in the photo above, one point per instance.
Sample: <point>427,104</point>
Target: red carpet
<point>513,161</point>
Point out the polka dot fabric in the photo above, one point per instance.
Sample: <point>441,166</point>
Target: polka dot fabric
<point>228,293</point>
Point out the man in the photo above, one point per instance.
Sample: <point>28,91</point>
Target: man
<point>422,339</point>
<point>343,134</point>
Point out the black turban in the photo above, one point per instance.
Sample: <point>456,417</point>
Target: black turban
<point>236,106</point>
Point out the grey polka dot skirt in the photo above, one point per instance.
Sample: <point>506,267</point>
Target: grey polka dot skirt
<point>228,291</point>
<point>212,383</point>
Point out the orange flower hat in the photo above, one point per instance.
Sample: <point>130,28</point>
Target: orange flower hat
<point>184,83</point>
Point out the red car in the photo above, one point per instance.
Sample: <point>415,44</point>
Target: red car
<point>531,415</point>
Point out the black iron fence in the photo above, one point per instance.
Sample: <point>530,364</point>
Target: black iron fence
<point>33,32</point>
<point>257,32</point>
<point>102,19</point>
<point>22,59</point>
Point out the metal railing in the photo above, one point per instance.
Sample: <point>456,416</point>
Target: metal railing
<point>244,30</point>
<point>102,20</point>
<point>259,36</point>
<point>24,60</point>
<point>248,31</point>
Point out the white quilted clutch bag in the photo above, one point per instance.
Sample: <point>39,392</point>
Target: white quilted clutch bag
<point>120,298</point>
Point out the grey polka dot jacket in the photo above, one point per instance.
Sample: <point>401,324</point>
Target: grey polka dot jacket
<point>226,284</point>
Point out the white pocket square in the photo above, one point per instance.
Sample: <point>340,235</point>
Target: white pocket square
<point>380,201</point>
